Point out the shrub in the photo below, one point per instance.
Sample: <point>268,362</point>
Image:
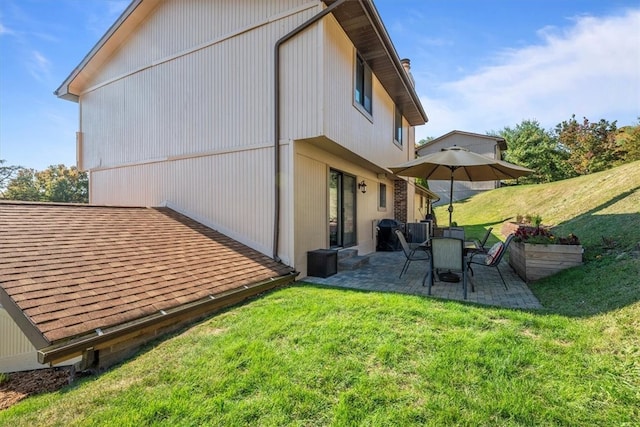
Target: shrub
<point>528,219</point>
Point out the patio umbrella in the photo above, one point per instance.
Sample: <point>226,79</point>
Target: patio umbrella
<point>457,163</point>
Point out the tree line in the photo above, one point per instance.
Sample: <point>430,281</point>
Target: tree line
<point>57,183</point>
<point>573,148</point>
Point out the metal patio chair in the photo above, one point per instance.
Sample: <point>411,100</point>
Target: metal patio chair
<point>447,253</point>
<point>492,258</point>
<point>412,254</point>
<point>480,244</point>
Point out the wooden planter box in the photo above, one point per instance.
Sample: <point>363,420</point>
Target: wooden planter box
<point>533,262</point>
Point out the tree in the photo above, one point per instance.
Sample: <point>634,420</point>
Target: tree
<point>592,147</point>
<point>62,184</point>
<point>7,173</point>
<point>628,139</point>
<point>54,184</point>
<point>23,187</point>
<point>535,148</point>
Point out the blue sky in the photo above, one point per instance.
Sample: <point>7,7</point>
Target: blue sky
<point>479,65</point>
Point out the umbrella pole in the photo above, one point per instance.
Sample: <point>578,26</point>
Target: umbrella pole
<point>451,199</point>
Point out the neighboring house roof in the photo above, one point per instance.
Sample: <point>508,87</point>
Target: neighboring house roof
<point>426,192</point>
<point>359,19</point>
<point>498,140</point>
<point>67,271</point>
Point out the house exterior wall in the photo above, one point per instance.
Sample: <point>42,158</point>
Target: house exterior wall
<point>339,123</point>
<point>202,24</point>
<point>185,117</point>
<point>419,207</point>
<point>311,188</point>
<point>16,352</point>
<point>174,103</point>
<point>194,126</point>
<point>370,138</point>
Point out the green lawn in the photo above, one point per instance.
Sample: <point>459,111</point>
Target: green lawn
<point>307,355</point>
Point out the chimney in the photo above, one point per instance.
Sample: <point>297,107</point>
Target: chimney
<point>406,64</point>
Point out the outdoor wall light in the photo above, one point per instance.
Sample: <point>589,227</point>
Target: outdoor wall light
<point>362,186</point>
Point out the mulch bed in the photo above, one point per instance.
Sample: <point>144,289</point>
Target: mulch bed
<point>27,383</point>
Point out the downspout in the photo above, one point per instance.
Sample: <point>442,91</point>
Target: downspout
<point>276,119</point>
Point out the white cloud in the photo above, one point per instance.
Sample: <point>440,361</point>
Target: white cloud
<point>591,69</point>
<point>4,30</point>
<point>39,67</point>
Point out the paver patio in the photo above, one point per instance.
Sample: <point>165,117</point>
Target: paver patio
<point>381,274</point>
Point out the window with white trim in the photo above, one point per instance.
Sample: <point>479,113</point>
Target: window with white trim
<point>397,127</point>
<point>382,198</point>
<point>362,94</point>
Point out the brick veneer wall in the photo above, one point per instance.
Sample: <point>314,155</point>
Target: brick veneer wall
<point>400,200</point>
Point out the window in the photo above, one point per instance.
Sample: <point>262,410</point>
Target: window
<point>362,92</point>
<point>397,134</point>
<point>382,201</point>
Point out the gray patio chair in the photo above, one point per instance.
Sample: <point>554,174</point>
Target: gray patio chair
<point>447,253</point>
<point>494,260</point>
<point>416,254</point>
<point>483,242</point>
<point>480,244</point>
<point>455,232</point>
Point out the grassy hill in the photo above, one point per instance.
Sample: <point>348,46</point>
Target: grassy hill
<point>308,355</point>
<point>602,204</point>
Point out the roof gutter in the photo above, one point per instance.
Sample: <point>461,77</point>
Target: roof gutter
<point>63,91</point>
<point>276,116</point>
<point>104,338</point>
<point>24,323</point>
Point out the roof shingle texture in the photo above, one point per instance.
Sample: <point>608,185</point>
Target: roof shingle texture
<point>74,268</point>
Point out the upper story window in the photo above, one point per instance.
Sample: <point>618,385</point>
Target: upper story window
<point>363,86</point>
<point>397,127</point>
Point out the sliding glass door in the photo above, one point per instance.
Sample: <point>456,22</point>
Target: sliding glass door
<point>342,209</point>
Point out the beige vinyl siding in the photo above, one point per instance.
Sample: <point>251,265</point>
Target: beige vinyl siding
<point>186,117</point>
<point>480,145</point>
<point>216,97</point>
<point>343,122</point>
<point>176,108</point>
<point>202,23</point>
<point>16,351</point>
<point>310,208</point>
<point>312,166</point>
<point>301,85</point>
<point>195,128</point>
<point>14,344</point>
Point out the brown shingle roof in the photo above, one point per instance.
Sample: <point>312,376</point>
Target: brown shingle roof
<point>74,268</point>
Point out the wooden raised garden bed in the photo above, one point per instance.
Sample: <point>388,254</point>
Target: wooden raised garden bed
<point>535,261</point>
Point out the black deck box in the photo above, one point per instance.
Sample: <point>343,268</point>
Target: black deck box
<point>322,262</point>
